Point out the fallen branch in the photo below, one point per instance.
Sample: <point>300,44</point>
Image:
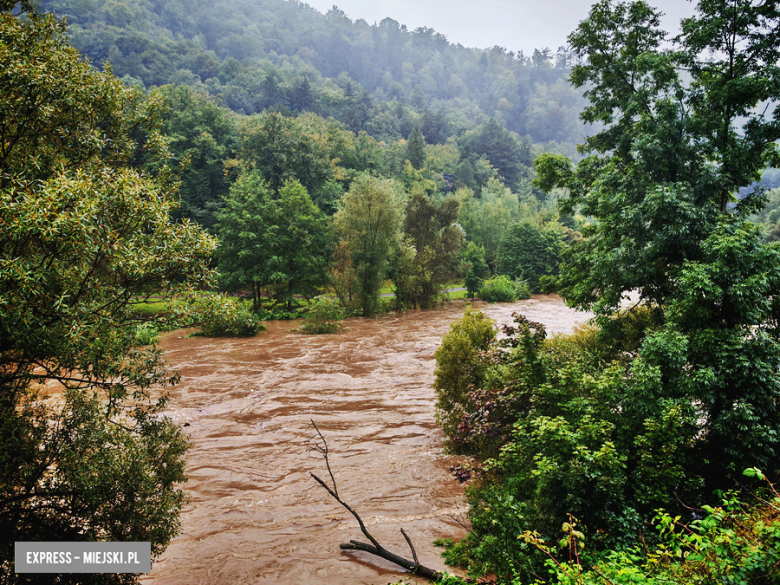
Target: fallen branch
<point>374,548</point>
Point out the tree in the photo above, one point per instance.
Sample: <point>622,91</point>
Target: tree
<point>474,267</point>
<point>510,156</point>
<point>529,251</point>
<point>415,148</point>
<point>661,181</point>
<point>433,242</point>
<point>84,232</point>
<point>280,148</point>
<point>271,244</point>
<point>245,226</point>
<point>299,244</point>
<point>369,222</point>
<point>201,132</point>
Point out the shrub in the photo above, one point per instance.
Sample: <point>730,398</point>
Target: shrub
<point>459,365</point>
<point>237,322</point>
<point>146,334</point>
<point>323,317</point>
<point>500,289</point>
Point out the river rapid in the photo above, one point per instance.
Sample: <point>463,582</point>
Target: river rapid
<point>254,513</point>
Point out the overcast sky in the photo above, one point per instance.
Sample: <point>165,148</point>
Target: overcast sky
<point>518,25</point>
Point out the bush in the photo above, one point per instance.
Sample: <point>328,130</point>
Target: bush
<point>276,315</point>
<point>237,322</point>
<point>323,317</point>
<point>500,289</point>
<point>459,365</point>
<point>146,334</point>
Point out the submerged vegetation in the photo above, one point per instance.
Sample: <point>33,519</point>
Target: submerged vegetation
<point>302,161</point>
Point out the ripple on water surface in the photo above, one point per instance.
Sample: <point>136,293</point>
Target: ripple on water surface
<point>255,515</point>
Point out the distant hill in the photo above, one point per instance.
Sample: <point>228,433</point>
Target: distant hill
<point>259,54</point>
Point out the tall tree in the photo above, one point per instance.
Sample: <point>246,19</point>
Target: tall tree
<point>529,251</point>
<point>415,148</point>
<point>245,226</point>
<point>661,182</point>
<point>369,221</point>
<point>299,244</point>
<point>276,245</point>
<point>433,243</point>
<point>84,230</point>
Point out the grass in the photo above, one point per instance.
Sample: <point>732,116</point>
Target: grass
<point>458,294</point>
<point>151,309</point>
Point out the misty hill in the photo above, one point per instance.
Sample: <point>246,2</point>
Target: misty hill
<point>258,54</point>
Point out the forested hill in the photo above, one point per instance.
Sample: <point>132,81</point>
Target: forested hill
<point>380,78</point>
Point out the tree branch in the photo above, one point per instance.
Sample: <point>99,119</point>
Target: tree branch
<point>374,548</point>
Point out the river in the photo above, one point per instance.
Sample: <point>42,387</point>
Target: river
<point>254,513</point>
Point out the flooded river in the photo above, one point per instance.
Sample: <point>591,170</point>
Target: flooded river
<point>255,515</point>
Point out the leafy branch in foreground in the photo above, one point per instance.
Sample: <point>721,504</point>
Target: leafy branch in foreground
<point>85,233</point>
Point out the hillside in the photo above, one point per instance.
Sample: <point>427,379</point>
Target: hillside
<point>261,54</point>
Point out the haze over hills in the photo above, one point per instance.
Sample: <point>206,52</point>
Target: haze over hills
<point>260,54</point>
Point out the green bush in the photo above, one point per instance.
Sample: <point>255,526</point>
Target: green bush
<point>459,365</point>
<point>146,334</point>
<point>276,314</point>
<point>323,316</point>
<point>237,322</point>
<point>500,289</point>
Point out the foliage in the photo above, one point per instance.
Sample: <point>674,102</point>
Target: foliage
<point>323,316</point>
<point>732,543</point>
<point>529,251</point>
<point>240,321</point>
<point>500,289</point>
<point>426,260</point>
<point>85,230</point>
<point>378,78</point>
<point>369,224</point>
<point>459,366</point>
<point>146,334</point>
<point>203,134</point>
<point>271,243</point>
<point>474,268</point>
<point>415,148</point>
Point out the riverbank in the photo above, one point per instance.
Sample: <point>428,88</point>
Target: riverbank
<point>255,515</point>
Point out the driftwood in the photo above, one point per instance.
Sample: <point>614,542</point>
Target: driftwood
<point>374,548</point>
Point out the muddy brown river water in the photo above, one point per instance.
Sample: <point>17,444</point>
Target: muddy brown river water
<point>255,515</point>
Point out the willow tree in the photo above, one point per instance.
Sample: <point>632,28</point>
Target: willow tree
<point>84,233</point>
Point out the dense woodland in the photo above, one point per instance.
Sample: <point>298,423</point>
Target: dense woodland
<point>176,150</point>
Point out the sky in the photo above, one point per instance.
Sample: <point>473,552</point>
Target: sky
<point>517,25</point>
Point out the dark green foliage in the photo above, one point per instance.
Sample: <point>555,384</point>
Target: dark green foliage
<point>426,260</point>
<point>500,289</point>
<point>529,251</point>
<point>84,230</point>
<point>276,147</point>
<point>510,156</point>
<point>667,401</point>
<point>203,134</point>
<point>415,148</point>
<point>271,245</point>
<point>474,267</point>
